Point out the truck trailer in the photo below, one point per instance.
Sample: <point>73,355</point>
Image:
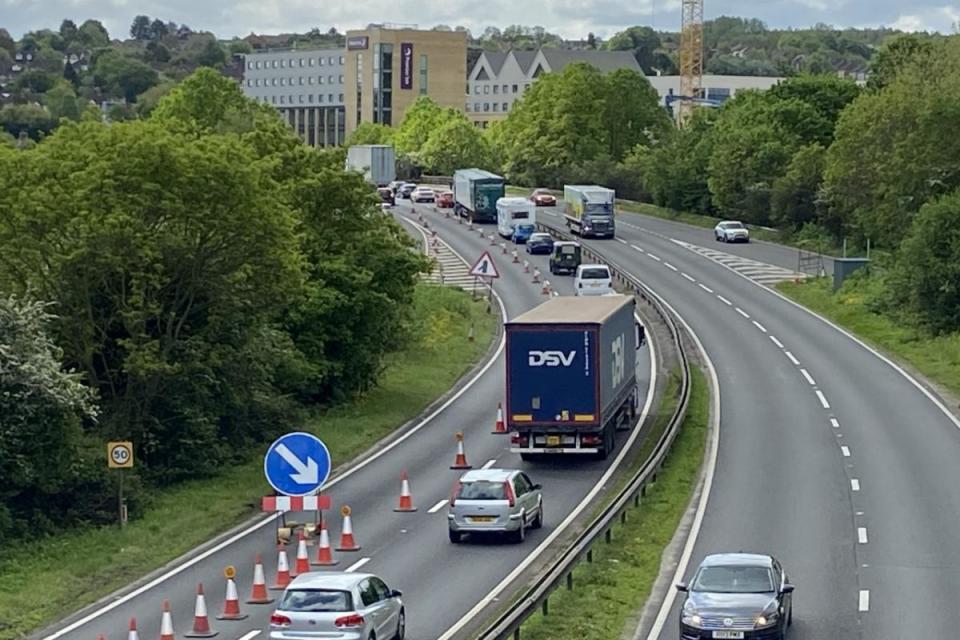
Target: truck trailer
<point>571,375</point>
<point>589,210</point>
<point>377,163</point>
<point>475,194</point>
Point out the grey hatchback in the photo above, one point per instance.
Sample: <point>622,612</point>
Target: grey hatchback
<point>336,604</point>
<point>502,501</point>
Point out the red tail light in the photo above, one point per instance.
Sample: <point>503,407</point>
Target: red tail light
<point>280,621</point>
<point>519,440</point>
<point>354,620</point>
<point>455,493</point>
<point>509,491</point>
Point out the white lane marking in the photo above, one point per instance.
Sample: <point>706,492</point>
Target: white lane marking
<point>809,378</point>
<point>251,635</point>
<point>776,342</point>
<point>490,463</point>
<point>356,565</point>
<point>725,301</point>
<point>587,501</point>
<point>862,535</point>
<point>854,484</point>
<point>438,506</point>
<point>743,313</point>
<point>845,451</point>
<point>823,399</point>
<point>759,326</point>
<point>670,266</point>
<point>654,257</point>
<point>621,241</point>
<point>691,279</point>
<point>792,358</point>
<point>635,247</point>
<point>834,423</point>
<point>864,601</point>
<point>706,288</point>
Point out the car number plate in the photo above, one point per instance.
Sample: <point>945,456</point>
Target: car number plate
<point>489,519</point>
<point>728,635</point>
<point>553,441</point>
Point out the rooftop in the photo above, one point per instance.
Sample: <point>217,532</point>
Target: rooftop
<point>574,310</point>
<point>737,559</point>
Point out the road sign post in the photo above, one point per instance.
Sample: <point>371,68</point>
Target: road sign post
<point>120,456</point>
<point>484,270</point>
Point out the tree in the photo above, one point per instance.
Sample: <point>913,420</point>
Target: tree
<point>829,95</point>
<point>897,55</point>
<point>455,144</point>
<point>370,133</point>
<point>35,81</point>
<point>239,46</point>
<point>632,114</point>
<point>70,74</point>
<point>794,198</point>
<point>157,52</point>
<point>121,75</point>
<point>31,118</point>
<point>158,30</point>
<point>69,31</point>
<point>149,99</point>
<point>591,41</point>
<point>212,54</point>
<point>642,41</point>
<point>420,120</point>
<point>61,101</point>
<point>676,170</point>
<point>6,42</point>
<point>140,28</point>
<point>93,35</point>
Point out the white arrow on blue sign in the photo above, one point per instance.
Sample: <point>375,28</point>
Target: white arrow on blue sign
<point>297,464</point>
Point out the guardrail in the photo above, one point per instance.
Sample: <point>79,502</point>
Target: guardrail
<point>561,570</point>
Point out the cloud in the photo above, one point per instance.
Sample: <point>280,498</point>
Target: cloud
<point>941,19</point>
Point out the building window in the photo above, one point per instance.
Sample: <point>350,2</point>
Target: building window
<point>310,80</point>
<point>486,88</point>
<point>258,64</point>
<point>282,63</point>
<point>330,97</point>
<point>506,106</point>
<point>310,61</point>
<point>476,89</point>
<point>330,60</point>
<point>273,64</point>
<point>249,66</point>
<point>300,98</point>
<point>249,83</point>
<point>319,79</point>
<point>291,99</point>
<point>496,106</point>
<point>320,98</point>
<point>468,89</point>
<point>301,62</point>
<point>506,88</point>
<point>341,97</point>
<point>423,74</point>
<point>526,87</point>
<point>283,81</point>
<point>273,82</point>
<point>301,80</point>
<point>485,123</point>
<point>515,88</point>
<point>467,107</point>
<point>486,106</point>
<point>342,60</point>
<point>496,88</point>
<point>321,61</point>
<point>341,79</point>
<point>282,99</point>
<point>359,88</point>
<point>310,98</point>
<point>476,107</point>
<point>291,63</point>
<point>331,79</point>
<point>273,99</point>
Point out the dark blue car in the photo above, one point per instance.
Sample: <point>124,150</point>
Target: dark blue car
<point>522,233</point>
<point>540,243</point>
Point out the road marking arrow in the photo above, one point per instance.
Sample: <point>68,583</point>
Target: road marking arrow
<point>307,473</point>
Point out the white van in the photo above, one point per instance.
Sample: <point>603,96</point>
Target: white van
<point>514,211</point>
<point>593,280</point>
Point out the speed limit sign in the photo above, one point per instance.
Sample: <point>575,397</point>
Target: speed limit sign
<point>120,455</point>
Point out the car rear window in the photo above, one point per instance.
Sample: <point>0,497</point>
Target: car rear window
<point>525,227</point>
<point>316,600</point>
<point>481,490</point>
<point>540,237</point>
<point>520,215</point>
<point>595,274</point>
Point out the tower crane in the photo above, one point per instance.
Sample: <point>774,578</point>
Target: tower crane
<point>691,58</point>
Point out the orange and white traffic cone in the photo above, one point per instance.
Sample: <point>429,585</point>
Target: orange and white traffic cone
<point>503,247</point>
<point>166,623</point>
<point>493,240</point>
<point>303,558</point>
<point>500,426</point>
<point>546,288</point>
<point>201,621</point>
<point>231,605</point>
<point>516,257</point>
<point>283,571</point>
<point>259,595</point>
<point>526,266</point>
<point>536,276</point>
<point>347,541</point>
<point>406,500</point>
<point>460,462</point>
<point>132,634</point>
<point>324,551</point>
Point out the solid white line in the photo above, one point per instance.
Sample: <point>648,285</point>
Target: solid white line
<point>725,301</point>
<point>633,246</point>
<point>845,451</point>
<point>854,484</point>
<point>759,326</point>
<point>823,399</point>
<point>691,279</point>
<point>670,266</point>
<point>792,358</point>
<point>490,463</point>
<point>438,506</point>
<point>808,377</point>
<point>251,635</point>
<point>834,423</point>
<point>776,342</point>
<point>862,535</point>
<point>706,288</point>
<point>864,601</point>
<point>743,313</point>
<point>654,257</point>
<point>531,557</point>
<point>356,565</point>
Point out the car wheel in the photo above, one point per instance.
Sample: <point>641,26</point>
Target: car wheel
<point>538,523</point>
<point>455,536</point>
<point>521,534</point>
<point>401,626</point>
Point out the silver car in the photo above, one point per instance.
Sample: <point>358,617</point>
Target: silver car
<point>501,501</point>
<point>335,604</point>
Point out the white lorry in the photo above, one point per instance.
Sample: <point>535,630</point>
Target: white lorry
<point>589,210</point>
<point>377,163</point>
<point>514,211</point>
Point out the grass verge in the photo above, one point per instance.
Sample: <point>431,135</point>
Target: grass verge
<point>937,358</point>
<point>56,576</point>
<point>608,591</point>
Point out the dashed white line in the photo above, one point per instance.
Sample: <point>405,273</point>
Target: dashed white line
<point>490,463</point>
<point>657,258</point>
<point>621,241</point>
<point>743,313</point>
<point>862,535</point>
<point>724,301</point>
<point>251,635</point>
<point>438,506</point>
<point>670,266</point>
<point>356,565</point>
<point>823,399</point>
<point>864,600</point>
<point>688,277</point>
<point>776,342</point>
<point>845,451</point>
<point>706,288</point>
<point>854,484</point>
<point>792,358</point>
<point>809,378</point>
<point>636,248</point>
<point>759,326</point>
<point>834,423</point>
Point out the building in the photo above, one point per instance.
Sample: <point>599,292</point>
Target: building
<point>716,89</point>
<point>498,78</point>
<point>388,68</point>
<point>306,86</point>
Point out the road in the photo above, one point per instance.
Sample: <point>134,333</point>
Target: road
<point>441,582</point>
<point>830,459</point>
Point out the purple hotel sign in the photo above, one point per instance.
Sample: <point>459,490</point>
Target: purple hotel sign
<point>406,65</point>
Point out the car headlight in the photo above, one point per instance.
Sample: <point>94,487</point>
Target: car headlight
<point>692,619</point>
<point>767,620</point>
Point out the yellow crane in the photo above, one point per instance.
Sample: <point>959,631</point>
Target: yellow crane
<point>691,58</point>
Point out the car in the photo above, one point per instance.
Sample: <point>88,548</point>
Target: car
<point>543,198</point>
<point>593,280</point>
<point>522,233</point>
<point>395,186</point>
<point>565,258</point>
<point>406,189</point>
<point>423,194</point>
<point>731,231</point>
<point>737,595</point>
<point>337,604</point>
<point>445,200</point>
<point>540,243</point>
<point>501,501</point>
<point>386,197</point>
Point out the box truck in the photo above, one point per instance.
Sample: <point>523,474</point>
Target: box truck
<point>377,163</point>
<point>475,194</point>
<point>514,211</point>
<point>571,375</point>
<point>589,210</point>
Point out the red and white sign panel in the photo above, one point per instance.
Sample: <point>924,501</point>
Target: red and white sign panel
<point>295,503</point>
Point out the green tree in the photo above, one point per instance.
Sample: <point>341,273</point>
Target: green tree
<point>140,28</point>
<point>35,81</point>
<point>149,99</point>
<point>676,170</point>
<point>70,74</point>
<point>239,46</point>
<point>897,55</point>
<point>794,199</point>
<point>212,54</point>
<point>423,116</point>
<point>6,42</point>
<point>632,114</point>
<point>93,35</point>
<point>829,95</point>
<point>642,41</point>
<point>455,144</point>
<point>158,30</point>
<point>32,118</point>
<point>370,133</point>
<point>157,52</point>
<point>69,31</point>
<point>121,75</point>
<point>61,101</point>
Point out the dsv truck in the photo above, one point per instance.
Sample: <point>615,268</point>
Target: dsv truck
<point>589,210</point>
<point>571,375</point>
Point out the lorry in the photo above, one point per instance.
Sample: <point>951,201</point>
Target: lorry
<point>377,163</point>
<point>514,211</point>
<point>571,375</point>
<point>475,194</point>
<point>589,211</point>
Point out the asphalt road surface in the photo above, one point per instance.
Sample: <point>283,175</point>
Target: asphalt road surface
<point>441,582</point>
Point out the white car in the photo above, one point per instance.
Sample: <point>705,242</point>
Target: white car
<point>423,194</point>
<point>593,280</point>
<point>731,231</point>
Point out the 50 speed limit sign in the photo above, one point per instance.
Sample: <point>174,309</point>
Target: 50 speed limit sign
<point>120,455</point>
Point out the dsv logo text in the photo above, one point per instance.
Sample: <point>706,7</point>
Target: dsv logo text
<point>551,358</point>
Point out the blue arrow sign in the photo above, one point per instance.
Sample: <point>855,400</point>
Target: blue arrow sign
<point>297,464</point>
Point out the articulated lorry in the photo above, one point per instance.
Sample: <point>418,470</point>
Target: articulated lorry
<point>377,163</point>
<point>475,194</point>
<point>589,210</point>
<point>571,375</point>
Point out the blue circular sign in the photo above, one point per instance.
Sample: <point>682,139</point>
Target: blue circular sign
<point>297,464</point>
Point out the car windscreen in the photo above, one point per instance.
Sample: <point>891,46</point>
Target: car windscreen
<point>521,215</point>
<point>481,490</point>
<point>539,237</point>
<point>595,274</point>
<point>733,225</point>
<point>316,600</point>
<point>568,250</point>
<point>525,227</point>
<point>734,579</point>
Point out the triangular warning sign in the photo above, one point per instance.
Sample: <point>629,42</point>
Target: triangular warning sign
<point>484,267</point>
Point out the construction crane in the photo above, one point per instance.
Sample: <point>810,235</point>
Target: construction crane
<point>691,59</point>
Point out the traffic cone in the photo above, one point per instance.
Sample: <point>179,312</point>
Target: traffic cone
<point>259,595</point>
<point>493,241</point>
<point>303,558</point>
<point>516,257</point>
<point>324,552</point>
<point>503,247</point>
<point>546,288</point>
<point>460,462</point>
<point>347,542</point>
<point>201,621</point>
<point>526,266</point>
<point>406,500</point>
<point>166,623</point>
<point>500,426</point>
<point>133,635</point>
<point>536,276</point>
<point>283,571</point>
<point>231,606</point>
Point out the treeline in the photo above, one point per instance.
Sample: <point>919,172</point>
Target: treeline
<point>193,282</point>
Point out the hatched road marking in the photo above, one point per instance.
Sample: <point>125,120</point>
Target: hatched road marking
<point>765,274</point>
<point>356,565</point>
<point>438,506</point>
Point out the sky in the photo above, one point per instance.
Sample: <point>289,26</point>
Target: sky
<point>569,18</point>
